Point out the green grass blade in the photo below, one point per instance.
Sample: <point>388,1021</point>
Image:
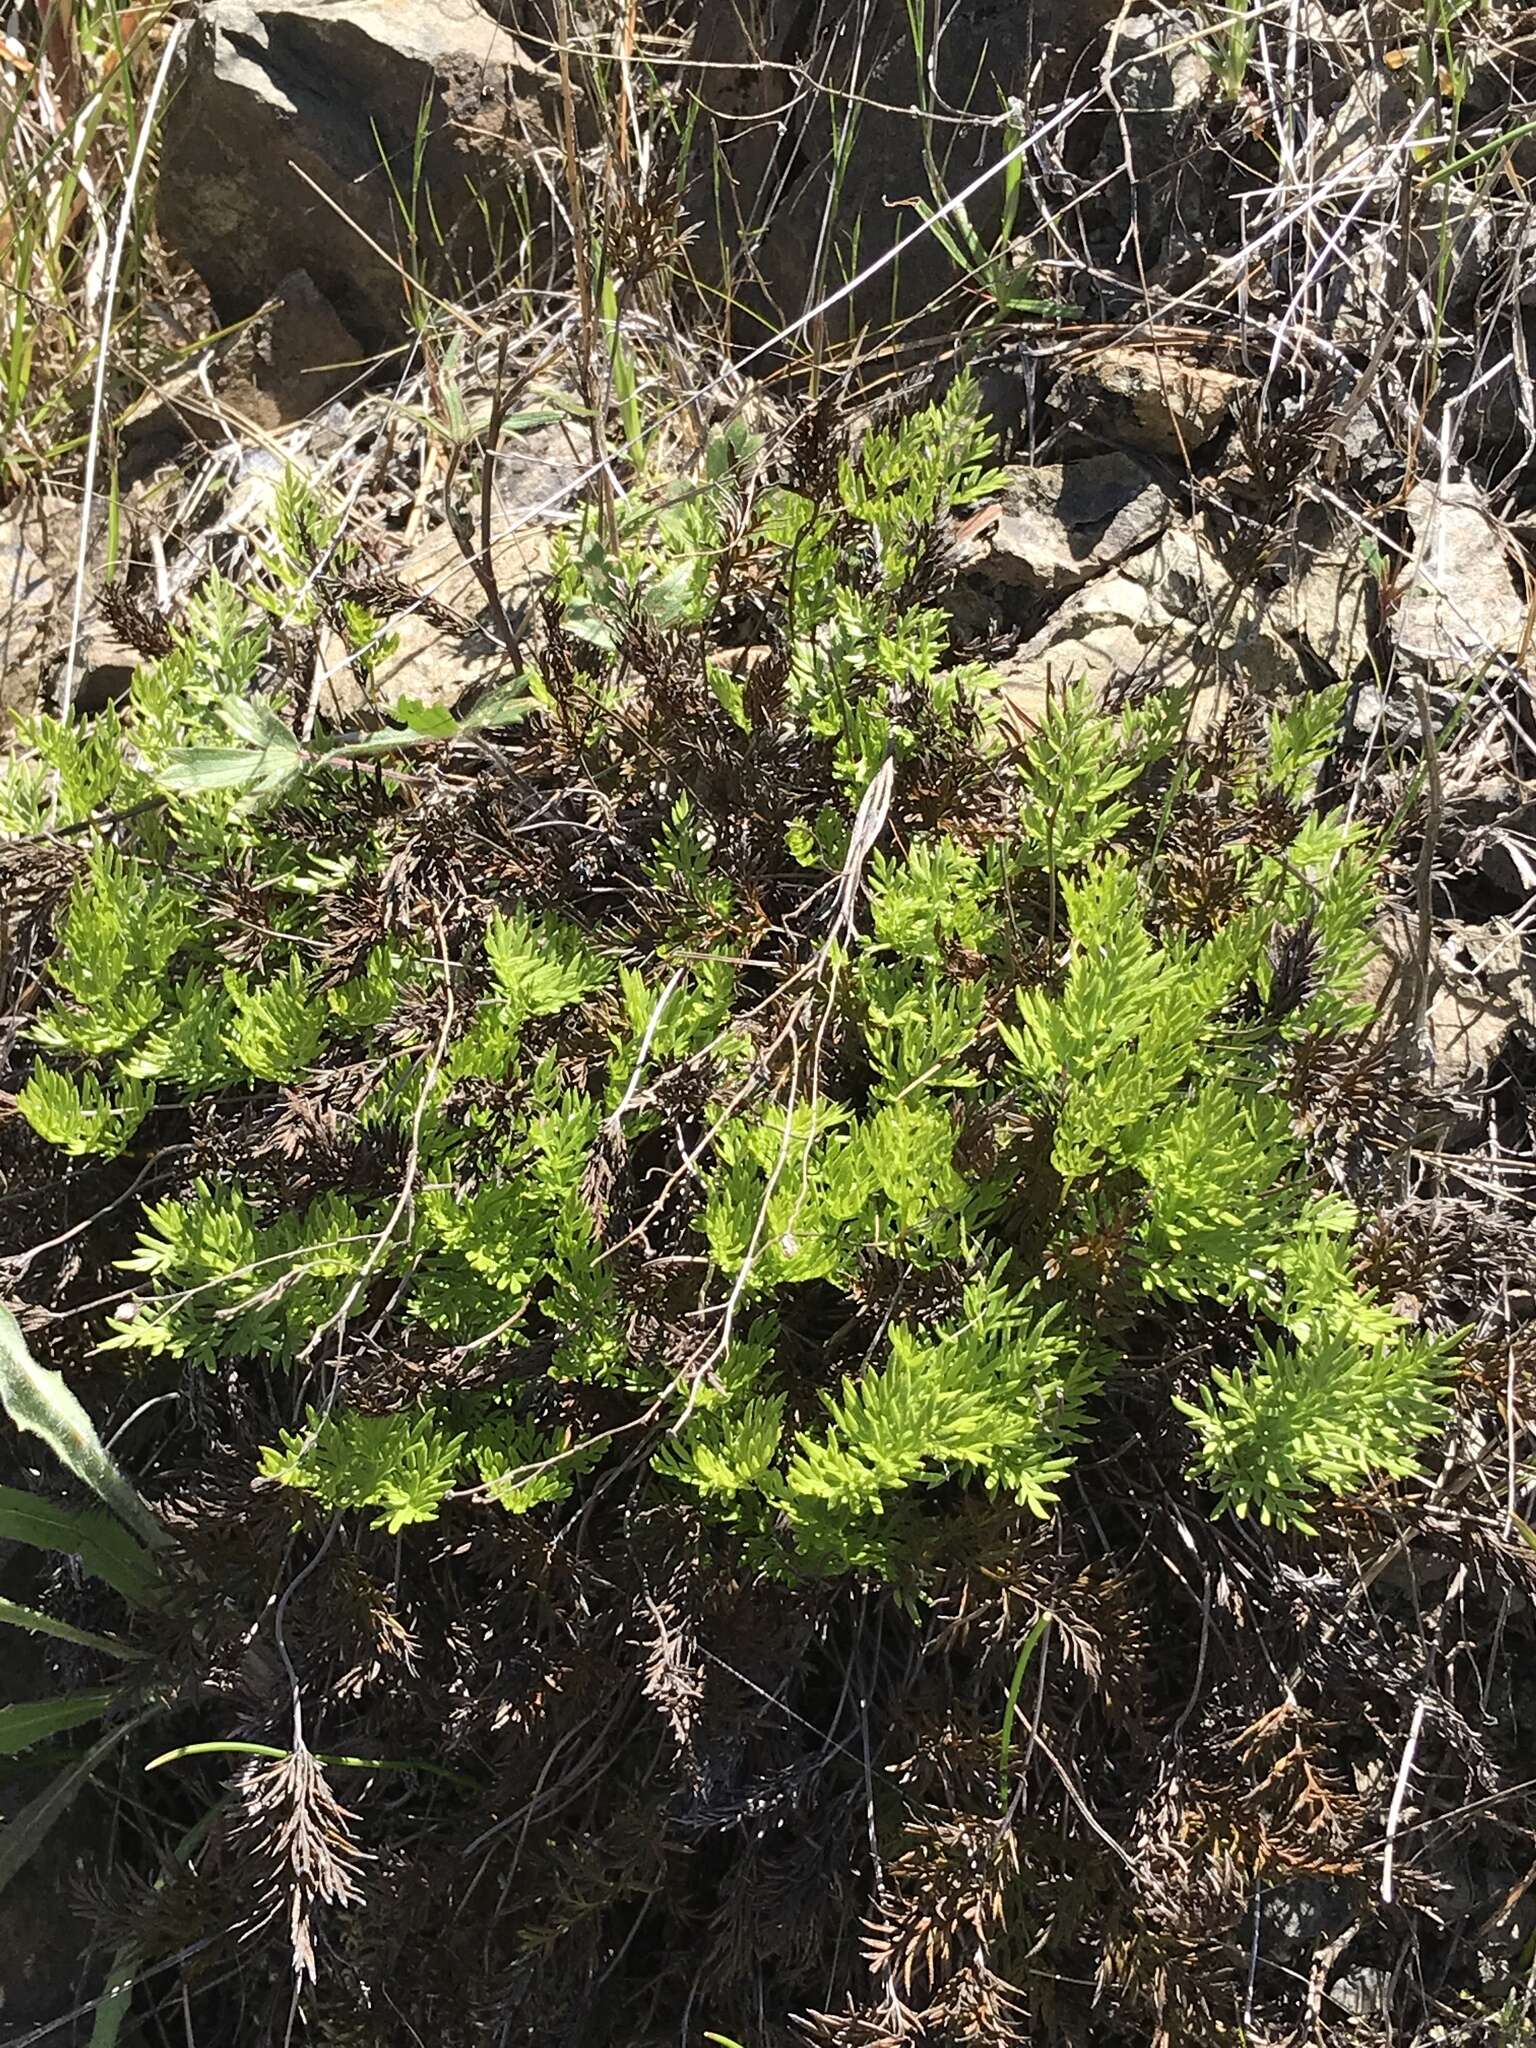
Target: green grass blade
<point>1005,1734</point>
<point>103,1546</point>
<point>24,1834</point>
<point>15,1615</point>
<point>25,1722</point>
<point>340,1763</point>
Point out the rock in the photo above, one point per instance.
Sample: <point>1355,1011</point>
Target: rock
<point>1160,74</point>
<point>275,93</point>
<point>542,464</point>
<point>429,661</point>
<point>1186,576</point>
<point>27,597</point>
<point>1459,606</point>
<point>1108,634</point>
<point>1146,398</point>
<point>296,358</point>
<point>1482,987</point>
<point>1500,842</point>
<point>1374,111</point>
<point>1160,77</point>
<point>1362,1991</point>
<point>1486,62</point>
<point>104,665</point>
<point>1302,1914</point>
<point>1167,619</point>
<point>288,364</point>
<point>1326,599</point>
<point>1452,250</point>
<point>39,543</point>
<point>1062,524</point>
<point>778,156</point>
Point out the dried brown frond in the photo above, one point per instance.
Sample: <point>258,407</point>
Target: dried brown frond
<point>672,1680</point>
<point>366,1618</point>
<point>765,687</point>
<point>1098,1262</point>
<point>781,1900</point>
<point>135,620</point>
<point>298,660</point>
<point>1345,1086</point>
<point>390,595</point>
<point>1294,957</point>
<point>935,564</point>
<point>855,2029</point>
<point>1450,1261</point>
<point>1282,446</point>
<point>978,2007</point>
<point>313,1141</point>
<point>818,441</point>
<point>1197,883</point>
<point>35,878</point>
<point>242,903</point>
<point>300,1851</point>
<point>943,1894</point>
<point>1271,819</point>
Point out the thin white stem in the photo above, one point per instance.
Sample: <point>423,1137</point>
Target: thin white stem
<point>103,348</point>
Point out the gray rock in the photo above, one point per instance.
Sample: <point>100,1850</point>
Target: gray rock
<point>104,667</point>
<point>1160,74</point>
<point>1109,633</point>
<point>1482,988</point>
<point>1325,601</point>
<point>1062,524</point>
<point>1362,1991</point>
<point>1374,111</point>
<point>300,355</point>
<point>278,93</point>
<point>1168,618</point>
<point>1159,78</point>
<point>39,547</point>
<point>1302,1915</point>
<point>1459,609</point>
<point>1500,844</point>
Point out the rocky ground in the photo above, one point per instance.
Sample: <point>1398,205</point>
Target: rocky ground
<point>1253,320</point>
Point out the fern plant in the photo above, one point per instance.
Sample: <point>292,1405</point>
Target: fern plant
<point>762,1080</point>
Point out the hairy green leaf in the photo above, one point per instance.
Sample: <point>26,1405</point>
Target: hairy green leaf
<point>38,1400</point>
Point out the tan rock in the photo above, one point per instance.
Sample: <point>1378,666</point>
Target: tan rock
<point>1107,634</point>
<point>1482,986</point>
<point>1167,618</point>
<point>428,660</point>
<point>1460,607</point>
<point>1147,398</point>
<point>1327,608</point>
<point>27,596</point>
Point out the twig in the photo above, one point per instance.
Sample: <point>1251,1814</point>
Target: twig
<point>1399,1794</point>
<point>99,391</point>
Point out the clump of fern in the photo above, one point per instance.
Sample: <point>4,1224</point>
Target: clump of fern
<point>748,1074</point>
